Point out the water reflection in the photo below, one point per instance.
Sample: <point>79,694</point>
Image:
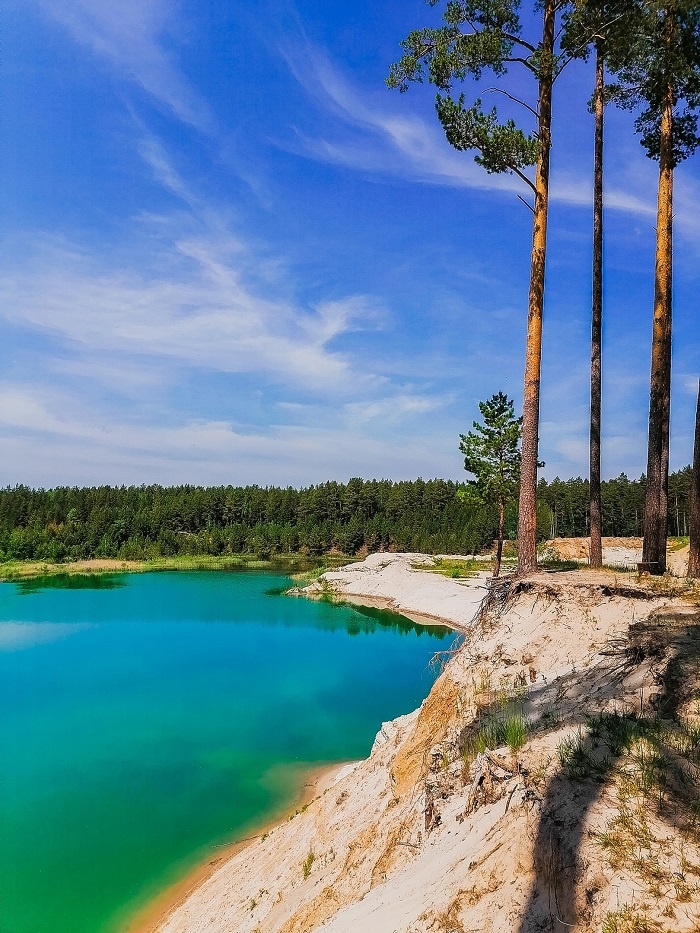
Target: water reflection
<point>395,622</point>
<point>71,581</point>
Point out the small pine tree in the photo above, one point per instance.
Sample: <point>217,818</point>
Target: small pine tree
<point>492,455</point>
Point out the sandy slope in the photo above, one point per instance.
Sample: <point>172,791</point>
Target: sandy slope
<point>618,552</point>
<point>413,840</point>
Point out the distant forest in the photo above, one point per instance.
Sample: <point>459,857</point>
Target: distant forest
<point>137,522</point>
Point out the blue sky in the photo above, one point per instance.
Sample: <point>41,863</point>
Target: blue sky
<point>231,254</point>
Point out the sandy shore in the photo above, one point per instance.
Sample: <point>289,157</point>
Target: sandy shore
<point>400,582</point>
<point>156,913</point>
<point>414,839</point>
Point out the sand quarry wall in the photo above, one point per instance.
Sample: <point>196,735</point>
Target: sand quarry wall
<point>441,830</point>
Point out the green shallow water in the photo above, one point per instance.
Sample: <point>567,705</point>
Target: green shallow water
<point>148,718</point>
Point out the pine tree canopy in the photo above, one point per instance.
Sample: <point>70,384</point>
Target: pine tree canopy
<point>491,452</point>
<point>662,48</point>
<point>477,37</point>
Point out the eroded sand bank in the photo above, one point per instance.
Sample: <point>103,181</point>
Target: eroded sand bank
<point>419,837</point>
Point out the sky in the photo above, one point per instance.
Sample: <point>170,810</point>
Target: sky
<point>230,254</point>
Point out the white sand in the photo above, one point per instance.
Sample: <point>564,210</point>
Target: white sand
<point>618,552</point>
<point>392,580</point>
<point>401,844</point>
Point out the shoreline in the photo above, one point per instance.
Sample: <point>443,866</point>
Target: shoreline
<point>389,845</point>
<point>150,917</point>
<point>15,571</point>
<point>426,619</point>
<point>318,779</point>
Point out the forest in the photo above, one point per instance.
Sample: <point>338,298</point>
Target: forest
<point>360,516</point>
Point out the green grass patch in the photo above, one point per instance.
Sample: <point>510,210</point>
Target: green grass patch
<point>282,563</point>
<point>307,864</point>
<point>453,567</point>
<point>501,722</point>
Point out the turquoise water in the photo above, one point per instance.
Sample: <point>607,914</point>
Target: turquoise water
<point>148,718</point>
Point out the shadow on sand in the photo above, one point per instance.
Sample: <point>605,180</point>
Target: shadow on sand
<point>667,647</point>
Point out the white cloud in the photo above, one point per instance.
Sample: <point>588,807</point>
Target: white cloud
<point>689,382</point>
<point>394,408</point>
<point>416,148</point>
<point>129,35</point>
<point>193,294</point>
<point>124,377</point>
<point>199,311</point>
<point>408,146</point>
<point>48,440</point>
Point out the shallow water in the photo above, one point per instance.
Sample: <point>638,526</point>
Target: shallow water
<point>148,718</point>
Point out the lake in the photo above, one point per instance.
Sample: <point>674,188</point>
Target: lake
<point>148,718</point>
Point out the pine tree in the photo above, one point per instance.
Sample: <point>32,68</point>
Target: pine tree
<point>596,24</point>
<point>481,35</point>
<point>658,70</point>
<point>491,454</point>
<point>694,555</point>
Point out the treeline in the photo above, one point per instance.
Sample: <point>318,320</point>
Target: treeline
<point>137,522</point>
<point>563,506</point>
<point>141,522</point>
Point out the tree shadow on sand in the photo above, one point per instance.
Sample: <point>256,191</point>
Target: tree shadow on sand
<point>643,744</point>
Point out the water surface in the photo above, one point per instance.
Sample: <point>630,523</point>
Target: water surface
<point>148,718</point>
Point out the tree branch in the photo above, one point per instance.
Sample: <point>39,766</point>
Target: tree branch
<point>522,61</point>
<point>523,177</point>
<point>499,90</point>
<point>528,206</point>
<point>518,41</point>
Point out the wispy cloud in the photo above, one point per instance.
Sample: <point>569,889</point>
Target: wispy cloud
<point>196,294</point>
<point>384,141</point>
<point>202,313</point>
<point>131,37</point>
<point>394,408</point>
<point>83,444</point>
<point>416,149</point>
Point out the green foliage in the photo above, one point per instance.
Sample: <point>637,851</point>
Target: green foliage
<point>661,47</point>
<point>623,505</point>
<point>477,36</point>
<point>500,146</point>
<point>156,523</point>
<point>167,526</point>
<point>628,920</point>
<point>500,723</point>
<point>647,44</point>
<point>449,53</point>
<point>491,453</point>
<point>452,567</point>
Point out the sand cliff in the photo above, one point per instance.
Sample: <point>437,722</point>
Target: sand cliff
<point>588,821</point>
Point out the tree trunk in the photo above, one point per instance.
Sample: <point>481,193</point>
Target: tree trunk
<point>694,556</point>
<point>656,501</point>
<point>596,547</point>
<point>527,507</point>
<point>499,546</point>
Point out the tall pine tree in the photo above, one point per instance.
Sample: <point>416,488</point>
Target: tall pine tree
<point>658,73</point>
<point>694,554</point>
<point>481,35</point>
<point>596,25</point>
